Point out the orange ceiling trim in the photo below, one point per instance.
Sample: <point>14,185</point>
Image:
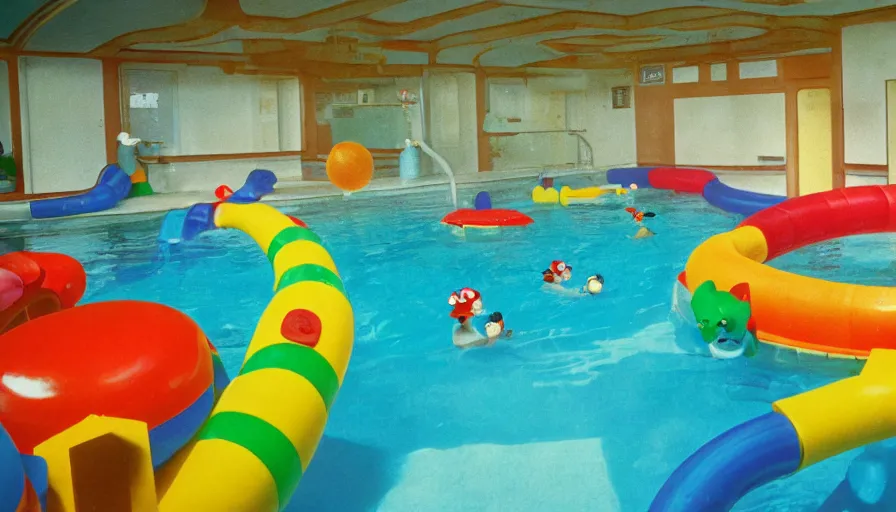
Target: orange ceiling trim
<point>389,29</point>
<point>23,33</point>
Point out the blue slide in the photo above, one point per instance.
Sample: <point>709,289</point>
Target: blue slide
<point>112,186</point>
<point>725,469</point>
<point>187,224</point>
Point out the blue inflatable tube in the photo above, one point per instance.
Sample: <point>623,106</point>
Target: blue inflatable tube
<point>626,176</point>
<point>12,475</point>
<point>738,201</point>
<point>169,437</point>
<point>112,186</point>
<point>715,192</point>
<point>725,469</point>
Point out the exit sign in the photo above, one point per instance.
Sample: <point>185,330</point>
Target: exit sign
<point>653,74</point>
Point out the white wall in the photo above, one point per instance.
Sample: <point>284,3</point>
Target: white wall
<point>204,111</point>
<point>62,123</point>
<point>206,176</point>
<point>451,104</point>
<point>729,130</point>
<point>539,107</point>
<point>611,132</point>
<point>869,60</point>
<point>5,119</point>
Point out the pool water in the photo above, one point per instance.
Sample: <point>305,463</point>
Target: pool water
<point>590,405</point>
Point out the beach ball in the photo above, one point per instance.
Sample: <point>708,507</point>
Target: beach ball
<point>349,166</point>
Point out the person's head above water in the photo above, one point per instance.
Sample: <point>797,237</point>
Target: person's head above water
<point>558,272</point>
<point>594,284</point>
<point>467,303</point>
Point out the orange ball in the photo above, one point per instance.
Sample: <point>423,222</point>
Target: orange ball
<point>350,166</point>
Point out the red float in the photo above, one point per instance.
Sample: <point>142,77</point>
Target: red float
<point>126,359</point>
<point>487,218</point>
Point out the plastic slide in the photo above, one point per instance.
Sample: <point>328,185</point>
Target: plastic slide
<point>187,224</point>
<point>796,311</point>
<point>694,181</point>
<point>802,430</point>
<point>112,185</point>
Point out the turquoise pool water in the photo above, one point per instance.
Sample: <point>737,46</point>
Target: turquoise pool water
<point>591,404</point>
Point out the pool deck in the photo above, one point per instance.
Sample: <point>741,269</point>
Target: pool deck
<point>756,181</point>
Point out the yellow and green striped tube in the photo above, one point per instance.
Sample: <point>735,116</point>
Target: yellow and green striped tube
<point>261,435</point>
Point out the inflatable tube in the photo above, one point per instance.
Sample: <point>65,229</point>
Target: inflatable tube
<point>494,218</point>
<point>695,181</point>
<point>628,176</point>
<point>12,474</point>
<point>797,311</point>
<point>737,201</point>
<point>803,430</point>
<point>691,181</point>
<point>725,469</point>
<point>112,185</point>
<point>265,428</point>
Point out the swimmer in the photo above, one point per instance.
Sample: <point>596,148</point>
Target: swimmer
<point>639,216</point>
<point>557,273</point>
<point>594,284</point>
<point>467,305</point>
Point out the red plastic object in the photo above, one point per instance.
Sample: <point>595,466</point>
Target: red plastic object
<point>20,264</point>
<point>127,359</point>
<point>811,219</point>
<point>301,326</point>
<point>223,192</point>
<point>297,221</point>
<point>492,218</point>
<point>683,279</point>
<point>63,275</point>
<point>680,179</point>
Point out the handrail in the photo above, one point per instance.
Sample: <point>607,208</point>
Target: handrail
<point>577,133</point>
<point>444,165</point>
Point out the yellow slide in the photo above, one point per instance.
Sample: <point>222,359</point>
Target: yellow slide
<point>261,435</point>
<point>567,196</point>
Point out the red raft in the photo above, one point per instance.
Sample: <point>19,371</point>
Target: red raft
<point>491,218</point>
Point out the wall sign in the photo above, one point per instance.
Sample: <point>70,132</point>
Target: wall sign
<point>622,97</point>
<point>655,74</point>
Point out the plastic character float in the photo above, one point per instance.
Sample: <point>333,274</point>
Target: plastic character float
<point>467,304</point>
<point>594,284</point>
<point>545,193</point>
<point>639,216</point>
<point>484,216</point>
<point>558,273</point>
<point>725,320</point>
<point>127,160</point>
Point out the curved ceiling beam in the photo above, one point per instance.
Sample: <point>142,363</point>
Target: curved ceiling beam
<point>20,36</point>
<point>675,19</point>
<point>219,15</point>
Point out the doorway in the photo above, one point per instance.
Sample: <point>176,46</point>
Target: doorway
<point>815,141</point>
<point>891,131</point>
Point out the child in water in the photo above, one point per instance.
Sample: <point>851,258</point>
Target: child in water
<point>638,217</point>
<point>467,305</point>
<point>560,272</point>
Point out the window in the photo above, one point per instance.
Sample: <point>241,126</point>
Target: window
<point>7,163</point>
<point>194,110</point>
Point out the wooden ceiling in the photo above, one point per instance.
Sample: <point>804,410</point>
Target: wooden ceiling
<point>317,36</point>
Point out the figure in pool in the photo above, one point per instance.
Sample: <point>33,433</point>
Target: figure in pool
<point>558,273</point>
<point>467,304</point>
<point>639,216</point>
<point>725,320</point>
